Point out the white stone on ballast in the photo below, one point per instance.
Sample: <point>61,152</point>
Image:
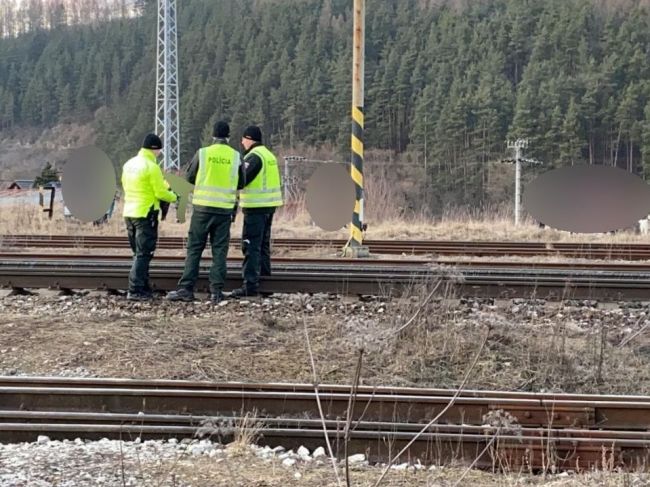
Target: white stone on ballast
<point>303,453</point>
<point>289,462</point>
<point>356,459</point>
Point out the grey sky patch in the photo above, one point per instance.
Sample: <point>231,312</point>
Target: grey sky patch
<point>587,199</point>
<point>330,196</point>
<point>88,183</point>
<point>182,188</point>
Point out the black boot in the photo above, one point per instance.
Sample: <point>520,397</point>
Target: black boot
<point>242,292</point>
<point>216,298</point>
<point>180,294</point>
<point>138,296</point>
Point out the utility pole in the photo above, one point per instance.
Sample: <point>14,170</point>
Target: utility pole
<point>288,187</point>
<point>355,247</point>
<point>518,145</point>
<point>167,124</point>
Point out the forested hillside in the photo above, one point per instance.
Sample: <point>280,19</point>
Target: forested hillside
<point>458,79</point>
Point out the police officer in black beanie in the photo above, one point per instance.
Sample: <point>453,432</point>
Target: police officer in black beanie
<point>260,195</point>
<point>216,172</point>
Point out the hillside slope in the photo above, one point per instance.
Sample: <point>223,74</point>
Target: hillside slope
<point>571,75</point>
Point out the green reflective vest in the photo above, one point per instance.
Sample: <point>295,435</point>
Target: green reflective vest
<point>144,185</point>
<point>216,180</point>
<point>266,189</point>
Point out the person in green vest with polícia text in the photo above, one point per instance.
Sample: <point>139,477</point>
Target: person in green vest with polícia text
<point>215,172</point>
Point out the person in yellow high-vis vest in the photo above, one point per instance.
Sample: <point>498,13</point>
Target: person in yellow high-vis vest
<point>260,195</point>
<point>144,188</point>
<point>215,172</point>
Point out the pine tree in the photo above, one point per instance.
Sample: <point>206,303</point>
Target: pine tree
<point>645,147</point>
<point>48,174</point>
<point>571,139</point>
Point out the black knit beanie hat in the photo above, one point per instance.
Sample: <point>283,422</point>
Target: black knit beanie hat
<point>153,142</point>
<point>253,133</point>
<point>221,130</point>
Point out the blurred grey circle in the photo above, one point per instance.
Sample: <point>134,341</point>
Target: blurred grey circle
<point>330,196</point>
<point>588,199</point>
<point>88,183</point>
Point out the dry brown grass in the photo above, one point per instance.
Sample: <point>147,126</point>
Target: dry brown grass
<point>246,432</point>
<point>295,222</point>
<point>249,471</point>
<point>555,347</point>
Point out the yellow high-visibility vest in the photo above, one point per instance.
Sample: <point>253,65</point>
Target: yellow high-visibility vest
<point>216,180</point>
<point>266,189</point>
<point>144,185</point>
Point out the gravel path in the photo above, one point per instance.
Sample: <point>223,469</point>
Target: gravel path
<point>107,463</point>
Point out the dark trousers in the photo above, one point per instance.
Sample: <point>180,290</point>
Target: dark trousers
<point>217,227</point>
<point>256,247</point>
<point>143,235</point>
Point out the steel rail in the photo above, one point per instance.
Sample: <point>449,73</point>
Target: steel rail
<point>339,262</point>
<point>122,383</point>
<point>382,422</point>
<point>341,277</point>
<point>468,409</point>
<point>441,247</point>
<point>225,424</point>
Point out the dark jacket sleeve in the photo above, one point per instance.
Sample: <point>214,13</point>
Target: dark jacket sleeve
<point>241,175</point>
<point>252,166</point>
<point>192,169</point>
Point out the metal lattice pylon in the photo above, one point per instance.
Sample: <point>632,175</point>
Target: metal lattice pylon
<point>167,125</point>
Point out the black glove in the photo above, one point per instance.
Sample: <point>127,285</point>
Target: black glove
<point>233,217</point>
<point>164,208</point>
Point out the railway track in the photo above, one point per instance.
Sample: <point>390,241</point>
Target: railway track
<point>567,431</point>
<point>407,247</point>
<point>346,276</point>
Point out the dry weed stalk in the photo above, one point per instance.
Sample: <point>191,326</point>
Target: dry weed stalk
<point>608,460</point>
<point>440,414</point>
<point>245,433</point>
<point>503,422</point>
<point>601,353</point>
<point>244,430</point>
<point>628,339</point>
<point>419,310</point>
<point>318,402</point>
<point>478,457</point>
<point>348,419</point>
<point>123,474</point>
<point>424,329</point>
<point>550,454</point>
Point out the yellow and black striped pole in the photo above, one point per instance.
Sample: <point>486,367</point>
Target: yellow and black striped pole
<point>355,244</point>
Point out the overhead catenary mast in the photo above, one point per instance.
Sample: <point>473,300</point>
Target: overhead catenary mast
<point>167,120</point>
<point>355,246</point>
<point>518,146</point>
